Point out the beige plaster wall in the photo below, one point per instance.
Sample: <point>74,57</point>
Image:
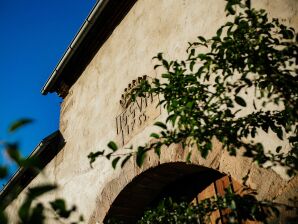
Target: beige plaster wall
<point>88,112</point>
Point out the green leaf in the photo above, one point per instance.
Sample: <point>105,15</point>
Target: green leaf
<point>141,154</point>
<point>35,192</point>
<point>12,150</point>
<point>278,149</point>
<point>154,135</point>
<point>112,145</point>
<point>166,75</point>
<point>125,160</point>
<point>18,124</point>
<point>202,39</point>
<point>205,149</point>
<point>157,150</point>
<point>160,124</point>
<point>192,63</point>
<point>159,56</point>
<point>219,32</point>
<point>165,64</point>
<point>188,157</point>
<point>156,66</point>
<point>230,10</point>
<point>229,24</point>
<point>287,34</point>
<point>172,118</point>
<point>115,161</point>
<point>108,156</point>
<point>247,81</point>
<point>37,216</point>
<point>192,52</point>
<point>24,210</point>
<point>3,217</point>
<point>81,218</point>
<point>190,104</point>
<point>279,133</point>
<point>59,206</point>
<point>92,156</point>
<point>239,100</point>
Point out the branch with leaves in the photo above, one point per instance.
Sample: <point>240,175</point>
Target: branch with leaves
<point>205,95</point>
<point>251,62</point>
<point>32,209</point>
<point>238,210</point>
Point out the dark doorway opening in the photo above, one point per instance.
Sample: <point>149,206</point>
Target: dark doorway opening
<point>179,180</point>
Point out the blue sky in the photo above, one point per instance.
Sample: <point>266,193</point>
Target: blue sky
<point>34,35</point>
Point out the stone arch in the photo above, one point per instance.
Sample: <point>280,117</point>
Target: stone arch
<point>177,180</point>
<point>217,163</point>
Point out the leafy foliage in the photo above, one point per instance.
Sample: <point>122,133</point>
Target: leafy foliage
<point>31,210</point>
<point>29,213</point>
<point>251,62</point>
<point>19,124</point>
<point>241,208</point>
<point>59,206</point>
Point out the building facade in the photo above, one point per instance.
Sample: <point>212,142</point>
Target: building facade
<point>112,51</point>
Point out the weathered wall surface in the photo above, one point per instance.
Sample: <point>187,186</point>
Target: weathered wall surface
<point>89,111</point>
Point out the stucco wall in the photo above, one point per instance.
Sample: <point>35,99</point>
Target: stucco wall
<point>89,110</point>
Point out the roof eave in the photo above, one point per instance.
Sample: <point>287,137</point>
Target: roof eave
<point>87,25</point>
<point>45,151</point>
<point>100,24</point>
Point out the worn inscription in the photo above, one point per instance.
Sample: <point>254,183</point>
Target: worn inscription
<point>136,116</point>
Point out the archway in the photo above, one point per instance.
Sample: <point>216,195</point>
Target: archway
<point>178,180</point>
<point>217,162</point>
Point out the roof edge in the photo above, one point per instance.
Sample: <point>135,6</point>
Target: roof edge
<point>87,25</point>
<point>45,151</point>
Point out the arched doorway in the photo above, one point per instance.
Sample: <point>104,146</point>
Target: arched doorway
<point>178,180</point>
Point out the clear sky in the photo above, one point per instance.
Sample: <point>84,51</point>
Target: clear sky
<point>34,34</point>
